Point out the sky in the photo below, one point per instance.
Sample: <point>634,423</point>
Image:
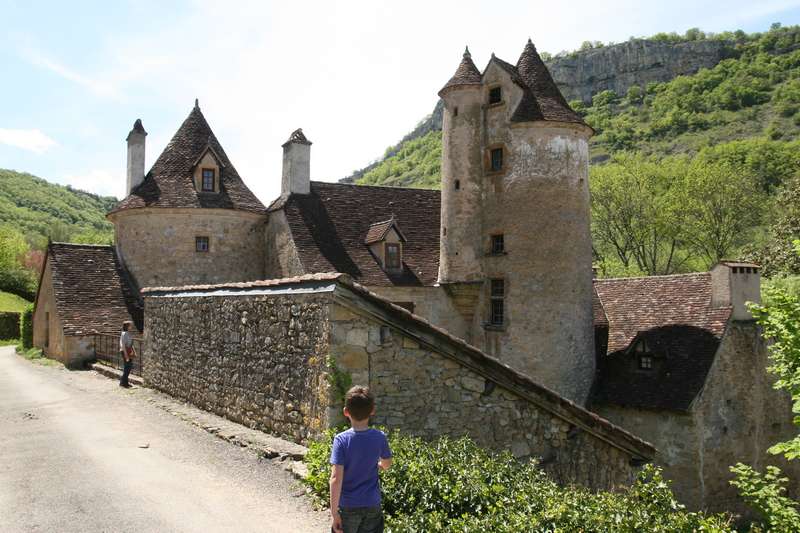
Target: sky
<point>356,76</point>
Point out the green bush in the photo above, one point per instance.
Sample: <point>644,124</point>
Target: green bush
<point>452,485</point>
<point>26,327</point>
<point>9,325</point>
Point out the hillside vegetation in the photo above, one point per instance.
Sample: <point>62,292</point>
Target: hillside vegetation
<point>42,210</point>
<point>12,303</point>
<point>678,152</point>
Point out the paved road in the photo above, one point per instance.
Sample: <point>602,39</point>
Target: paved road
<point>72,459</point>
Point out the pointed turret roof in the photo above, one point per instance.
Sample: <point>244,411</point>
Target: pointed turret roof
<point>297,136</point>
<point>169,183</point>
<point>466,73</point>
<point>547,103</point>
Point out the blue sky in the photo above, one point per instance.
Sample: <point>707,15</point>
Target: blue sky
<point>354,75</point>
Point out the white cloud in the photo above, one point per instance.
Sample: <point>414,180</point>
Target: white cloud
<point>98,87</point>
<point>98,181</point>
<point>32,140</point>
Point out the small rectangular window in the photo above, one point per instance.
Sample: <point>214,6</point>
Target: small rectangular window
<point>208,179</point>
<point>645,362</point>
<point>497,298</point>
<point>455,111</point>
<point>458,185</point>
<point>495,95</point>
<point>201,244</point>
<point>392,255</point>
<point>498,244</point>
<point>496,163</point>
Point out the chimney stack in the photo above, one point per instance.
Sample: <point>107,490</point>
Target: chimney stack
<point>296,165</point>
<point>733,284</point>
<point>136,155</point>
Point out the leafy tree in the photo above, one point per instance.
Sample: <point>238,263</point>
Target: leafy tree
<point>14,277</point>
<point>777,255</point>
<point>722,204</point>
<point>636,213</point>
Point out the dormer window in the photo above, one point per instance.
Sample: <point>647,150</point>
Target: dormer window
<point>644,357</point>
<point>209,177</point>
<point>495,95</point>
<point>385,241</point>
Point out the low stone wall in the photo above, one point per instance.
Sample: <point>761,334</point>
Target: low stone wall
<point>424,393</point>
<point>9,325</point>
<point>257,360</point>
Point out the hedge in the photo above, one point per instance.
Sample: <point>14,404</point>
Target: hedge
<point>26,327</point>
<point>9,325</point>
<point>452,485</point>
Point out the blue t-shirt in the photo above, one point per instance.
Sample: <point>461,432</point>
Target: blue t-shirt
<point>359,452</point>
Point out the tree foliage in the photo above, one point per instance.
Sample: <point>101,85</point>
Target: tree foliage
<point>453,485</point>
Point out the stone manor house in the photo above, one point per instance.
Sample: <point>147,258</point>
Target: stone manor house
<point>470,310</point>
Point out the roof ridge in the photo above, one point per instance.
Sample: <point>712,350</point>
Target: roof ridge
<point>81,245</point>
<point>336,183</point>
<point>656,276</point>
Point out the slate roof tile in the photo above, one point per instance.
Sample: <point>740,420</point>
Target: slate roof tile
<point>169,184</point>
<point>466,74</point>
<point>92,289</point>
<point>673,314</point>
<point>330,224</point>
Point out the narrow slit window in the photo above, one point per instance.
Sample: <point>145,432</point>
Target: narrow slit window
<point>497,302</point>
<point>498,244</point>
<point>208,179</point>
<point>455,111</point>
<point>495,95</point>
<point>496,163</point>
<point>201,244</point>
<point>458,185</point>
<point>392,255</point>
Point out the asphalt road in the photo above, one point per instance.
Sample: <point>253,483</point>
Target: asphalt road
<point>78,453</point>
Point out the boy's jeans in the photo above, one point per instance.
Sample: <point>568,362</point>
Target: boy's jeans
<point>362,519</point>
<point>127,366</point>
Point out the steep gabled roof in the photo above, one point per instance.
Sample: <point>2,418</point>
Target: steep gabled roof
<point>169,183</point>
<point>92,289</point>
<point>673,314</point>
<point>329,226</point>
<point>541,97</point>
<point>378,231</point>
<point>466,74</point>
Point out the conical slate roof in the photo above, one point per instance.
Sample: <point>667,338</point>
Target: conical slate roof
<point>466,73</point>
<point>169,183</point>
<point>549,104</point>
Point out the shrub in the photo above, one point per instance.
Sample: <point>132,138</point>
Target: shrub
<point>26,327</point>
<point>453,485</point>
<point>9,325</point>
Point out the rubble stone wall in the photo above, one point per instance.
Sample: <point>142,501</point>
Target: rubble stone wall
<point>258,360</point>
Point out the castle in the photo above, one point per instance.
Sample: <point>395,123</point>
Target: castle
<point>484,286</point>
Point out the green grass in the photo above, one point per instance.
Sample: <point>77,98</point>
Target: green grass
<point>12,303</point>
<point>9,342</point>
<point>35,356</point>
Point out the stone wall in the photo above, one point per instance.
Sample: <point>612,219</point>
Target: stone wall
<point>158,245</point>
<point>48,334</point>
<point>257,360</point>
<point>422,392</point>
<point>281,256</point>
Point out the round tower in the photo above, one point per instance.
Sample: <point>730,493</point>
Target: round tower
<point>538,202</point>
<point>460,245</point>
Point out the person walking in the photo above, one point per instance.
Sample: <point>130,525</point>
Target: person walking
<point>127,352</point>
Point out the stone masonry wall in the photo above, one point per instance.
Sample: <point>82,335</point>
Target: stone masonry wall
<point>158,245</point>
<point>257,360</point>
<point>425,393</point>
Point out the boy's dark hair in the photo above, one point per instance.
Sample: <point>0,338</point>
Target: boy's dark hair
<point>126,325</point>
<point>359,402</point>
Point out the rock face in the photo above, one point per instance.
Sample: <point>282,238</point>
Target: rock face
<point>639,62</point>
<point>583,74</point>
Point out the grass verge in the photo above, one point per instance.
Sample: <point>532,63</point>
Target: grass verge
<point>35,355</point>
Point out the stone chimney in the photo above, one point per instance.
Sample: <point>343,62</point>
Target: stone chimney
<point>734,284</point>
<point>296,165</point>
<point>136,155</point>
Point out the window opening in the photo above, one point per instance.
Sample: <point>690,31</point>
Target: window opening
<point>392,255</point>
<point>208,180</point>
<point>497,299</point>
<point>496,159</point>
<point>495,95</point>
<point>498,244</point>
<point>201,244</point>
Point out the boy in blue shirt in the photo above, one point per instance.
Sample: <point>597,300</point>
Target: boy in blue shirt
<point>355,458</point>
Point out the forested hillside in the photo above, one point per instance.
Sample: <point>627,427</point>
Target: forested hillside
<point>42,210</point>
<point>678,151</point>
